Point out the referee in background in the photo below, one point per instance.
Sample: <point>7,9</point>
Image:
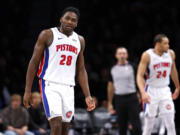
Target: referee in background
<point>121,86</point>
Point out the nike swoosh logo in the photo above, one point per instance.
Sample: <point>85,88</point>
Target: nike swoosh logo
<point>74,40</point>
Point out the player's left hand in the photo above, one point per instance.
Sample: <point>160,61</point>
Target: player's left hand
<point>175,95</point>
<point>90,103</point>
<point>27,100</point>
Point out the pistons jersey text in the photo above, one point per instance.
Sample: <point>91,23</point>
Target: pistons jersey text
<point>58,63</point>
<point>159,69</point>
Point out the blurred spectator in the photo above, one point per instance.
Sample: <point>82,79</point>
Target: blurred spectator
<point>38,122</point>
<point>128,23</point>
<point>2,127</point>
<point>103,122</point>
<point>16,118</point>
<point>104,104</point>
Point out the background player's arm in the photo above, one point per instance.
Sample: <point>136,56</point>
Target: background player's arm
<point>110,94</point>
<point>43,40</point>
<point>174,75</point>
<point>145,59</point>
<point>82,76</point>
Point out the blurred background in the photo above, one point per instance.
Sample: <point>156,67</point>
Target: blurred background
<point>105,26</point>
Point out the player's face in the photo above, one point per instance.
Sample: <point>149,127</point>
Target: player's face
<point>164,44</point>
<point>69,21</point>
<point>121,54</point>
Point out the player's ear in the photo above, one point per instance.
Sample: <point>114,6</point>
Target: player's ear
<point>76,24</point>
<point>60,20</point>
<point>158,43</point>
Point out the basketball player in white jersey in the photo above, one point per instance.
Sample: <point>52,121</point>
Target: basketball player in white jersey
<point>58,54</point>
<point>155,91</point>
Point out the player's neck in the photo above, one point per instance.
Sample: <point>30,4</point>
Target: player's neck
<point>158,52</point>
<point>64,32</point>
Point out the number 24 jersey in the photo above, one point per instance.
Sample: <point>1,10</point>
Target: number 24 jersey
<point>159,69</point>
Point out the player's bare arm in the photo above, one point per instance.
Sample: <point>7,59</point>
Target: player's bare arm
<point>44,39</point>
<point>145,59</point>
<point>174,76</point>
<point>110,90</point>
<point>82,76</point>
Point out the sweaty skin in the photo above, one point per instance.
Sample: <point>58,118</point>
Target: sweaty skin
<point>174,76</point>
<point>145,59</point>
<point>68,23</point>
<point>82,76</point>
<point>44,40</point>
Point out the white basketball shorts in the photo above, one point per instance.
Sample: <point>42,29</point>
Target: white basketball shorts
<point>58,100</point>
<point>160,101</point>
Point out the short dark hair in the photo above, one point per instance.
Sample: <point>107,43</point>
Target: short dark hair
<point>158,38</point>
<point>71,9</point>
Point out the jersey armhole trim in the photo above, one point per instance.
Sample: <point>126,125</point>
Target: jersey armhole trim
<point>79,41</point>
<point>52,30</point>
<point>149,59</point>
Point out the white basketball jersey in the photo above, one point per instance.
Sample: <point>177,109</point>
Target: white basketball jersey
<point>159,69</point>
<point>59,61</point>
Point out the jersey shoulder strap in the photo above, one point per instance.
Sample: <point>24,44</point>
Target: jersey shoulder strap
<point>149,51</point>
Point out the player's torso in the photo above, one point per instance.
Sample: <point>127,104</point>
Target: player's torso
<point>159,69</point>
<point>59,62</point>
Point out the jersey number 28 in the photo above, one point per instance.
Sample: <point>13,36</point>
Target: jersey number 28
<point>68,60</point>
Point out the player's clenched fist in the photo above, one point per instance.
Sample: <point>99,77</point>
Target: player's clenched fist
<point>90,103</point>
<point>145,97</point>
<point>176,93</point>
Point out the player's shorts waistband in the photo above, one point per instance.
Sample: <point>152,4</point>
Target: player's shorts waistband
<point>156,87</point>
<point>57,83</point>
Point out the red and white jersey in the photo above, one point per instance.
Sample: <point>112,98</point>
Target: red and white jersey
<point>159,69</point>
<point>59,61</point>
